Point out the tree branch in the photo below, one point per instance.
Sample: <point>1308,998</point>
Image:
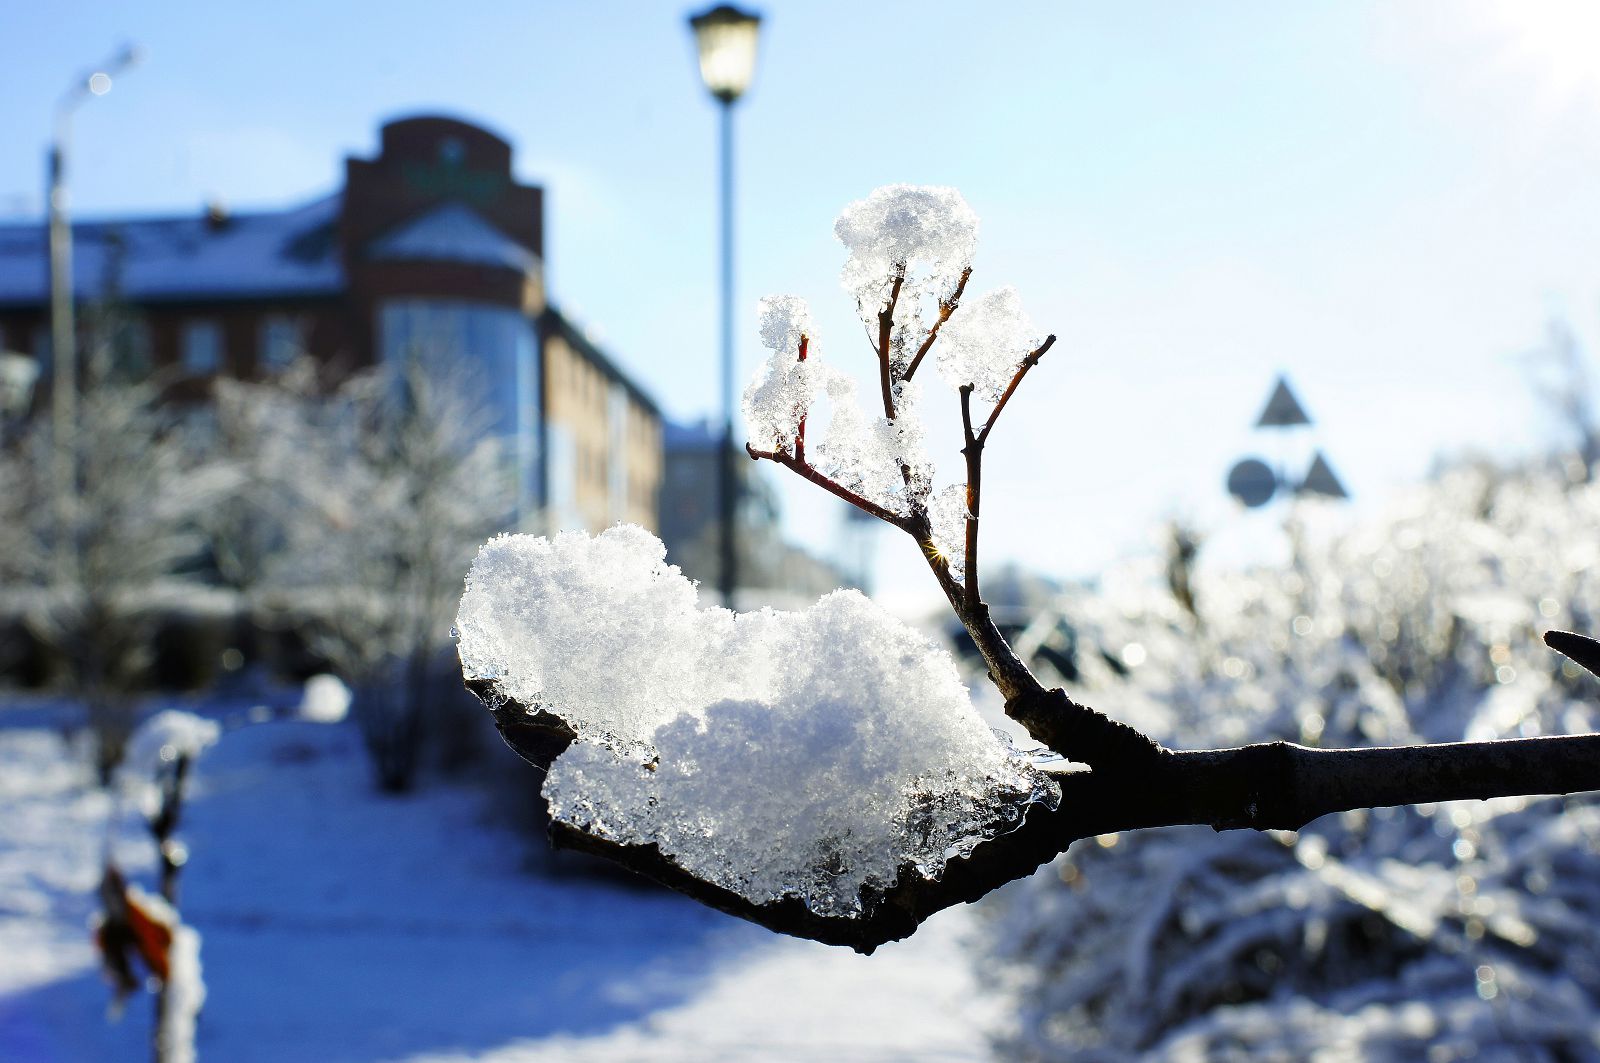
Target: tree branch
<point>833,487</point>
<point>1582,649</point>
<point>972,450</point>
<point>1022,371</point>
<point>800,431</point>
<point>1133,784</point>
<point>946,308</point>
<point>885,335</point>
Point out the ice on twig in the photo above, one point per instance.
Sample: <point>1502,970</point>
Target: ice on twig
<point>778,398</point>
<point>928,229</point>
<point>947,514</point>
<point>868,453</point>
<point>812,754</point>
<point>985,342</point>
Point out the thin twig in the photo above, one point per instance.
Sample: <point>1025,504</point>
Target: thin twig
<point>833,487</point>
<point>800,432</point>
<point>946,308</point>
<point>885,334</point>
<point>1022,371</point>
<point>973,452</point>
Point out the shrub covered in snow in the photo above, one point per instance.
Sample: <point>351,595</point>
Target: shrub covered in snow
<point>1435,931</point>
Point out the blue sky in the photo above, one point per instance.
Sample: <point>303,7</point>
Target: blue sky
<point>1386,201</point>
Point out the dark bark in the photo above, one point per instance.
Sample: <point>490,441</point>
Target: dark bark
<point>1130,783</point>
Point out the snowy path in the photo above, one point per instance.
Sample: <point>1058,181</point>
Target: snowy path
<point>343,927</point>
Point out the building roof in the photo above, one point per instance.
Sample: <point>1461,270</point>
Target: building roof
<point>553,322</point>
<point>453,232</point>
<point>695,437</point>
<point>240,256</point>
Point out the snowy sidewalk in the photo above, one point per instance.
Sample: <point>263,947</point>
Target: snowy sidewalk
<point>339,925</point>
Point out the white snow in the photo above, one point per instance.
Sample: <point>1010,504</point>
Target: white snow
<point>985,341</point>
<point>866,452</point>
<point>166,736</point>
<point>185,991</point>
<point>805,754</point>
<point>342,925</point>
<point>928,229</point>
<point>779,397</point>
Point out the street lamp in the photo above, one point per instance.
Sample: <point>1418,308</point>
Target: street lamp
<point>726,39</point>
<point>63,335</point>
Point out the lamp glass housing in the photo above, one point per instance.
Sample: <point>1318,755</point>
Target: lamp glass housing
<point>726,38</point>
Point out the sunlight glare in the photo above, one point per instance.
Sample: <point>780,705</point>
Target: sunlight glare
<point>1556,41</point>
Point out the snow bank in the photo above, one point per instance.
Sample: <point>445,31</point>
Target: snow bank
<point>808,754</point>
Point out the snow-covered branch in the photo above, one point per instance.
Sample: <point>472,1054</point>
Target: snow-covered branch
<point>823,773</point>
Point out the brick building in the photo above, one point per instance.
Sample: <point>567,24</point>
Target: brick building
<point>431,245</point>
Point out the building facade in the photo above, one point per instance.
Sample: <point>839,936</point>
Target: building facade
<point>431,248</point>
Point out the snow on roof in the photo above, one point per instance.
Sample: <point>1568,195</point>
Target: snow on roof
<point>287,252</point>
<point>453,232</point>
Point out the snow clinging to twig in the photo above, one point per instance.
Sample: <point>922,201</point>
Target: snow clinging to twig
<point>929,229</point>
<point>777,399</point>
<point>985,342</point>
<point>775,754</point>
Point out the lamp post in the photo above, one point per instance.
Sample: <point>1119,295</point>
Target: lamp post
<point>63,333</point>
<point>726,39</point>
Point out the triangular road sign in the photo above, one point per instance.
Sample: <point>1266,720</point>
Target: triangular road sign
<point>1320,480</point>
<point>1283,409</point>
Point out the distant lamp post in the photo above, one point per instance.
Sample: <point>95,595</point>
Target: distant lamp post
<point>726,38</point>
<point>63,334</point>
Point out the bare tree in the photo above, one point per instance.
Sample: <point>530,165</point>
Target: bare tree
<point>411,480</point>
<point>1115,778</point>
<point>141,483</point>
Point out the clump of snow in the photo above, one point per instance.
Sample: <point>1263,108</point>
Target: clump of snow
<point>868,453</point>
<point>325,699</point>
<point>930,230</point>
<point>985,341</point>
<point>784,321</point>
<point>808,754</point>
<point>166,736</point>
<point>777,400</point>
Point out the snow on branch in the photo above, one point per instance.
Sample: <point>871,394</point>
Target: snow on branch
<point>819,756</point>
<point>823,773</point>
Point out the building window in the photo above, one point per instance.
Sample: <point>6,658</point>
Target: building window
<point>281,342</point>
<point>202,348</point>
<point>487,350</point>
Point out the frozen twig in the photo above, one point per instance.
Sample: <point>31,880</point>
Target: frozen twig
<point>1022,371</point>
<point>797,464</point>
<point>946,308</point>
<point>885,340</point>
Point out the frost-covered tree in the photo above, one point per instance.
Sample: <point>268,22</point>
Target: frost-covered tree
<point>1430,932</point>
<point>824,773</point>
<point>142,480</point>
<point>411,481</point>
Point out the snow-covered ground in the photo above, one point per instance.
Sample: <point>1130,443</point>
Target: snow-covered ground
<point>340,925</point>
